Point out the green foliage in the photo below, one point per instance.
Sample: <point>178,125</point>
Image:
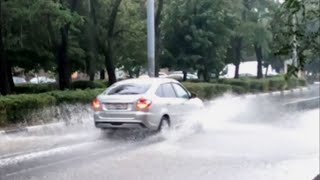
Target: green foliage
<point>196,34</point>
<point>264,85</point>
<point>235,82</point>
<point>88,84</point>
<point>16,108</point>
<point>33,29</point>
<point>42,88</point>
<point>77,96</point>
<point>207,90</point>
<point>296,26</point>
<point>35,88</point>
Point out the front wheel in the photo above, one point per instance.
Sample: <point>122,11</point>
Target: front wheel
<point>164,125</point>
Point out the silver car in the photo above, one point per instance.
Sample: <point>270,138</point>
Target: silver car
<point>148,103</point>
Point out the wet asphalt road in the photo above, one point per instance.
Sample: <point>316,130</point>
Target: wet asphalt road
<point>233,138</point>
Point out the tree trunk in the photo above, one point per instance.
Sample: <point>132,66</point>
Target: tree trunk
<point>102,74</point>
<point>92,40</point>
<point>63,61</point>
<point>158,38</point>
<point>237,48</point>
<point>206,77</point>
<point>4,79</point>
<point>258,51</point>
<point>9,71</point>
<point>267,69</point>
<point>109,51</point>
<point>91,76</point>
<point>110,66</point>
<point>184,75</point>
<point>130,73</point>
<point>64,65</point>
<point>137,72</point>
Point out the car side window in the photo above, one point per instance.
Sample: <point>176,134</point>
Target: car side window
<point>167,91</point>
<point>159,91</point>
<point>180,91</point>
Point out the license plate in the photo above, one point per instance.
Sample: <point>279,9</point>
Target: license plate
<point>117,106</point>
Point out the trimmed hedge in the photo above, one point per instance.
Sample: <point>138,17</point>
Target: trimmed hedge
<point>35,88</point>
<point>42,88</point>
<point>77,96</point>
<point>88,84</point>
<point>264,85</point>
<point>207,90</point>
<point>16,108</point>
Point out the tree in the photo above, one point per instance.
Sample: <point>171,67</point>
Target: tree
<point>4,75</point>
<point>131,50</point>
<point>64,66</point>
<point>197,35</point>
<point>301,28</point>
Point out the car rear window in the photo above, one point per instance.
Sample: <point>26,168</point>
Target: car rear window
<point>129,89</point>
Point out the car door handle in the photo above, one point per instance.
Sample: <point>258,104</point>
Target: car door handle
<point>168,104</point>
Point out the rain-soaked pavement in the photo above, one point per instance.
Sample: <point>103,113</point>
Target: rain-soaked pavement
<point>234,138</point>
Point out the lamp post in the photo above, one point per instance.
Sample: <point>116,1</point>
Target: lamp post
<point>151,38</point>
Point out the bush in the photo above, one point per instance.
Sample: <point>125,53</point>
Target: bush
<point>235,82</point>
<point>238,90</point>
<point>88,84</point>
<point>277,84</point>
<point>16,108</point>
<point>42,88</point>
<point>35,88</point>
<point>207,90</point>
<point>263,85</point>
<point>77,96</point>
<point>256,85</point>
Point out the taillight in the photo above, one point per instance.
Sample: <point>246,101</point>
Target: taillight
<point>143,104</point>
<point>96,105</point>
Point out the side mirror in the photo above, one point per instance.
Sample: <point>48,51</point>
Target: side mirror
<point>193,95</point>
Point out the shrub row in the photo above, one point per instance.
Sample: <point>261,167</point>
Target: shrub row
<point>15,108</point>
<point>41,88</point>
<point>264,85</point>
<point>207,90</point>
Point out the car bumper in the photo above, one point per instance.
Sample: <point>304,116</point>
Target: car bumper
<point>123,120</point>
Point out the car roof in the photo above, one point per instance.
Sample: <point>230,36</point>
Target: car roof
<point>147,80</point>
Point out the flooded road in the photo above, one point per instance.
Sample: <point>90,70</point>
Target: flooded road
<point>233,138</point>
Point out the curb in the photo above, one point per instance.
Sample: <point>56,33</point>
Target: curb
<point>32,128</point>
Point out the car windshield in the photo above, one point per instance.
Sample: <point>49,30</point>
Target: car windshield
<point>127,89</point>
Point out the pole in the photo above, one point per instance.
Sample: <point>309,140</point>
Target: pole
<point>151,39</point>
<point>294,41</point>
<point>295,46</point>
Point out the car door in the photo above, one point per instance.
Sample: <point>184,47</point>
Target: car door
<point>170,100</point>
<point>183,97</point>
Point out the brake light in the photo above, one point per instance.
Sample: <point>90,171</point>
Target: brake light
<point>143,104</point>
<point>96,105</point>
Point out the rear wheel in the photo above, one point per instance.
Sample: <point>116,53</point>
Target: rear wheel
<point>164,124</point>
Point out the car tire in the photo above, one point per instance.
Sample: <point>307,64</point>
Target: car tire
<point>164,124</point>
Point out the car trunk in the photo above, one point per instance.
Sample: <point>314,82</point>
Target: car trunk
<point>119,102</point>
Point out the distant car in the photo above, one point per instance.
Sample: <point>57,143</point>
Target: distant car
<point>42,80</point>
<point>179,76</point>
<point>148,103</point>
<point>18,80</point>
